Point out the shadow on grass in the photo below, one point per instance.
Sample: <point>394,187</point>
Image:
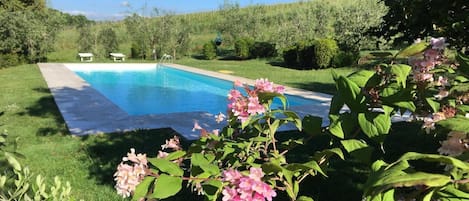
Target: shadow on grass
<point>46,107</point>
<point>315,86</point>
<point>106,152</point>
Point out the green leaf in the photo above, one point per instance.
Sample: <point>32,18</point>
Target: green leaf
<point>374,124</point>
<point>337,103</point>
<point>351,93</point>
<point>167,186</point>
<point>328,153</point>
<point>12,161</point>
<point>361,77</point>
<point>435,158</point>
<point>358,149</point>
<point>212,188</point>
<point>294,117</point>
<point>336,126</point>
<point>463,63</point>
<point>3,180</point>
<point>353,145</point>
<point>428,196</point>
<point>413,49</point>
<point>166,166</point>
<point>452,192</point>
<point>304,198</point>
<point>435,105</point>
<point>199,159</point>
<point>142,188</point>
<point>175,155</point>
<point>414,179</point>
<point>401,71</point>
<point>458,123</point>
<point>312,125</point>
<point>464,108</point>
<point>271,167</point>
<point>274,126</point>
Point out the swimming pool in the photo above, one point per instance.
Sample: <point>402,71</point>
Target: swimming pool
<point>162,89</point>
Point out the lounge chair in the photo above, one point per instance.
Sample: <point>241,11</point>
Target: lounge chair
<point>117,56</point>
<point>86,57</point>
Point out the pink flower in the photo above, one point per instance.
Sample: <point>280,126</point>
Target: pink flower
<point>264,85</point>
<point>230,194</point>
<point>256,173</point>
<point>442,94</point>
<point>162,154</point>
<point>139,158</point>
<point>238,83</point>
<point>232,176</point>
<point>432,54</point>
<point>128,177</point>
<point>172,143</point>
<point>423,77</point>
<point>234,94</point>
<point>254,107</point>
<point>220,117</point>
<point>442,81</point>
<point>196,127</point>
<point>279,89</point>
<point>438,43</point>
<point>454,145</point>
<point>250,188</point>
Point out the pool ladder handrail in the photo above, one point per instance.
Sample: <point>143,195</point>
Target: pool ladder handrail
<point>165,58</point>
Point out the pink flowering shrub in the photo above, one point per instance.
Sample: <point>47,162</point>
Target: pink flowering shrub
<point>249,160</point>
<point>210,165</point>
<point>432,91</point>
<point>128,176</point>
<point>246,187</point>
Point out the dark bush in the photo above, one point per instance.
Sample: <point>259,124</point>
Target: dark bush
<point>243,47</point>
<point>209,50</point>
<point>306,58</point>
<point>324,51</point>
<point>290,56</point>
<point>8,60</point>
<point>345,59</point>
<point>300,56</point>
<point>136,51</point>
<point>263,50</point>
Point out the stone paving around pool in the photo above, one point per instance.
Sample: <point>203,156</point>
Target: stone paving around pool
<point>86,111</point>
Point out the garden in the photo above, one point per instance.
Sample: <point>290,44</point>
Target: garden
<point>375,73</point>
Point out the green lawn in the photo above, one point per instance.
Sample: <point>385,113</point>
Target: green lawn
<point>89,162</point>
<point>313,80</point>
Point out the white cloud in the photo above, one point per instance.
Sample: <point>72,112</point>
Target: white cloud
<point>77,12</point>
<point>99,16</point>
<point>125,4</point>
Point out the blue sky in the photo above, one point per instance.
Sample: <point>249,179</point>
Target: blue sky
<point>118,9</point>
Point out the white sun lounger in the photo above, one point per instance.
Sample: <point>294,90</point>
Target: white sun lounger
<point>117,56</point>
<point>86,57</point>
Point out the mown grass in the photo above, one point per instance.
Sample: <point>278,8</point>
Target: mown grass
<point>30,113</point>
<point>313,80</point>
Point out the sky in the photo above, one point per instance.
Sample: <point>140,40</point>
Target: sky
<point>118,9</point>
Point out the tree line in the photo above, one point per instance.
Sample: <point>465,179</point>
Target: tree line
<point>28,29</point>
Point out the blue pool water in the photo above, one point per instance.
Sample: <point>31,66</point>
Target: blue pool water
<point>162,90</point>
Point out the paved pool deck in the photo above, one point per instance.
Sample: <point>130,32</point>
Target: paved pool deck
<point>86,111</point>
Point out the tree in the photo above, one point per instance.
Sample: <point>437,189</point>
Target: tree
<point>86,39</point>
<point>354,19</point>
<point>17,5</point>
<point>409,20</point>
<point>108,40</point>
